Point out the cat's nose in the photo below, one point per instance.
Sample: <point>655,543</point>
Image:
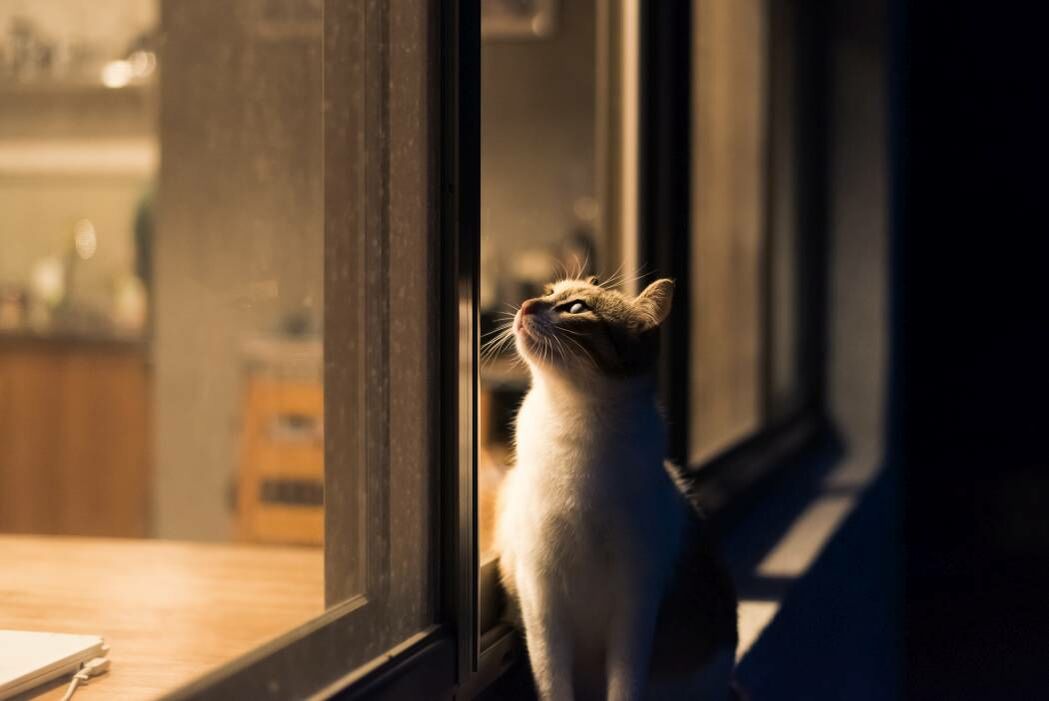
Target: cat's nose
<point>530,306</point>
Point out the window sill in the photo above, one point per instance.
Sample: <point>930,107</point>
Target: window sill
<point>778,544</point>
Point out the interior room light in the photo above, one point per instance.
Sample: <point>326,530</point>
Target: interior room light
<point>85,238</point>
<point>117,74</point>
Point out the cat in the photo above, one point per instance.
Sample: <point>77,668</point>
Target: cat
<point>606,563</point>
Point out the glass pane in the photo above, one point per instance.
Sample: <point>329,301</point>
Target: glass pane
<point>161,308</point>
<point>728,223</point>
<point>753,269</point>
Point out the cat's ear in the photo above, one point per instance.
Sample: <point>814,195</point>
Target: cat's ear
<point>654,302</point>
<point>592,280</point>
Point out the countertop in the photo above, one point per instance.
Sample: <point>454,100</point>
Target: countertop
<point>169,611</point>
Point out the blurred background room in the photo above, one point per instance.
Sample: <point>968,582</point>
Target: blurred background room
<point>163,263</point>
<point>162,272</point>
<point>161,300</point>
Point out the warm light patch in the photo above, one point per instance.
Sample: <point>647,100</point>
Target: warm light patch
<point>85,239</point>
<point>117,74</point>
<point>754,617</point>
<point>806,538</point>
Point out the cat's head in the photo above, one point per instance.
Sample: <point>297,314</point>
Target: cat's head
<point>581,330</point>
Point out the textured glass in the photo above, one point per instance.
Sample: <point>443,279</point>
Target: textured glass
<point>162,268</point>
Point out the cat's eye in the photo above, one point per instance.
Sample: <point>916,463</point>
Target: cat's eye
<point>576,307</point>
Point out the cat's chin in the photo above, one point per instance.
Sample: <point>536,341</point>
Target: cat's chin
<point>533,350</point>
<point>545,355</point>
<point>559,371</point>
<point>530,347</point>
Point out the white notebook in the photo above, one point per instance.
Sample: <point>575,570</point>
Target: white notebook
<point>29,659</point>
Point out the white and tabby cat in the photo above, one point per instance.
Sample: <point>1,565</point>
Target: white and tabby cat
<point>620,594</point>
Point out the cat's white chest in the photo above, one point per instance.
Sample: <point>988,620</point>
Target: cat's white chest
<point>590,505</point>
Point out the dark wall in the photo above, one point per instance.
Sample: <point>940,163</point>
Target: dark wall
<point>969,419</point>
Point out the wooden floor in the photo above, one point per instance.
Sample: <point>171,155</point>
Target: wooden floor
<point>169,611</point>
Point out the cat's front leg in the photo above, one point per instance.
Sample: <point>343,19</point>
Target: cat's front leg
<point>547,638</point>
<point>630,636</point>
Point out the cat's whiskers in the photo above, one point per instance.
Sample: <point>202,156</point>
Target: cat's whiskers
<point>560,346</point>
<point>583,266</point>
<point>498,329</point>
<point>548,348</point>
<point>623,277</point>
<point>609,283</point>
<point>494,347</point>
<point>581,348</point>
<point>503,340</point>
<point>564,271</point>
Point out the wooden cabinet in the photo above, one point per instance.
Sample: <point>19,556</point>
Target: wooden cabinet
<point>280,488</point>
<point>74,433</point>
<point>280,482</point>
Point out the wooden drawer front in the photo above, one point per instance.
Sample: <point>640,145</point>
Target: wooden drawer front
<point>280,486</point>
<point>290,461</point>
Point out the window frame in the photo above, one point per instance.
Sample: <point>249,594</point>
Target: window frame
<point>732,482</point>
<point>402,176</point>
<point>734,475</point>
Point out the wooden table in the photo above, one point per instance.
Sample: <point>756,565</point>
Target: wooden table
<point>168,610</point>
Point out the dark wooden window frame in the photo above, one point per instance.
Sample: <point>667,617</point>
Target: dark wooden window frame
<point>731,479</point>
<point>401,171</point>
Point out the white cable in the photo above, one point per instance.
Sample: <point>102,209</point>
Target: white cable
<point>91,668</point>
